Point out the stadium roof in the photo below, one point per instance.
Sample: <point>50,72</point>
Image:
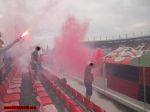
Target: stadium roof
<point>98,43</point>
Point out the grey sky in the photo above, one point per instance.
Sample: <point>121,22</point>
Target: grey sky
<point>45,17</point>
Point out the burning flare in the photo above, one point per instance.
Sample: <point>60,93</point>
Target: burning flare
<point>25,33</point>
<point>26,37</point>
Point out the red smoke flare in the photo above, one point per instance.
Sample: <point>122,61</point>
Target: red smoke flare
<point>26,37</point>
<point>70,53</point>
<point>25,33</point>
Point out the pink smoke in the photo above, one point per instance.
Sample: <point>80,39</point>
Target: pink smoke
<point>97,59</point>
<point>70,53</point>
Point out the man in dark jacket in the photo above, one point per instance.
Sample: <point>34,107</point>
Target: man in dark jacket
<point>88,79</point>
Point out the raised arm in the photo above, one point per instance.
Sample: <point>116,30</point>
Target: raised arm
<point>2,50</point>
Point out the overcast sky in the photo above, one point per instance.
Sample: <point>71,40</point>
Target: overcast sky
<point>45,17</point>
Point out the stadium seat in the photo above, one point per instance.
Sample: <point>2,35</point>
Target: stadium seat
<point>10,98</point>
<point>42,94</point>
<point>96,108</point>
<point>80,97</point>
<point>36,82</point>
<point>16,103</point>
<point>10,79</point>
<point>45,100</point>
<point>36,85</point>
<point>40,89</point>
<point>88,103</point>
<point>46,104</point>
<point>12,91</point>
<point>74,93</point>
<point>7,85</point>
<point>5,90</point>
<point>61,96</point>
<point>48,108</point>
<point>77,109</point>
<point>15,86</point>
<point>17,79</point>
<point>71,104</point>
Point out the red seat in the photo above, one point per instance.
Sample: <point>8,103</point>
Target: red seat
<point>48,108</point>
<point>77,109</point>
<point>71,104</point>
<point>40,89</point>
<point>36,81</point>
<point>15,82</point>
<point>71,89</point>
<point>15,90</point>
<point>15,103</point>
<point>45,100</point>
<point>74,92</point>
<point>15,86</point>
<point>80,97</point>
<point>65,98</point>
<point>10,98</point>
<point>17,79</point>
<point>59,92</point>
<point>37,85</point>
<point>5,91</point>
<point>6,85</point>
<point>77,94</point>
<point>96,108</point>
<point>88,103</point>
<point>68,87</point>
<point>42,94</point>
<point>61,96</point>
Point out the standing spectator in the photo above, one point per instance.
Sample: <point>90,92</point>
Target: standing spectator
<point>36,63</point>
<point>88,79</point>
<point>2,52</point>
<point>7,60</point>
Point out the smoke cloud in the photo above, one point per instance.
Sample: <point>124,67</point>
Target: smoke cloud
<point>70,54</point>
